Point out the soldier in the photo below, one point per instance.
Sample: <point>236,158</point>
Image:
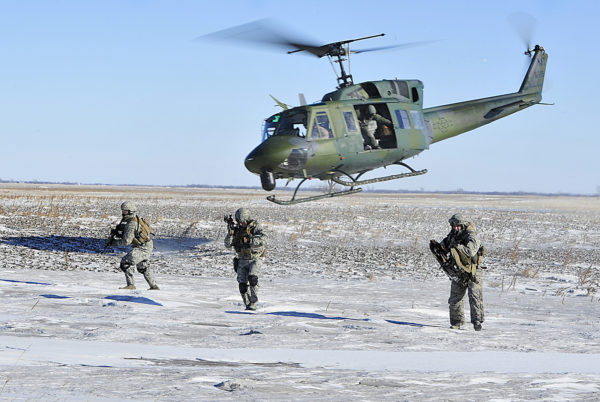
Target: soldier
<point>247,238</point>
<point>460,255</point>
<point>133,230</point>
<point>373,123</point>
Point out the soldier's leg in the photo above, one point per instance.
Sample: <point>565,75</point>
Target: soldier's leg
<point>242,278</point>
<point>253,274</point>
<point>476,300</point>
<point>244,292</point>
<point>456,304</point>
<point>128,270</point>
<point>144,269</point>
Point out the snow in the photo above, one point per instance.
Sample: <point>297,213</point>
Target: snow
<point>340,317</point>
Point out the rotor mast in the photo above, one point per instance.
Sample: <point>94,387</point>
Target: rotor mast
<point>336,52</point>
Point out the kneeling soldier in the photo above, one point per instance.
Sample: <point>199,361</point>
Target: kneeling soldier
<point>247,238</point>
<point>133,230</point>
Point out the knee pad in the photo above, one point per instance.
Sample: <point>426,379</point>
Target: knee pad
<point>253,279</point>
<point>243,288</point>
<point>124,266</point>
<point>142,266</point>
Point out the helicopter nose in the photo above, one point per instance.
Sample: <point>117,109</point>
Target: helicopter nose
<point>266,157</point>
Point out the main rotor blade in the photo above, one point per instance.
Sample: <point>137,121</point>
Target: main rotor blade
<point>268,32</point>
<point>263,32</point>
<point>403,45</point>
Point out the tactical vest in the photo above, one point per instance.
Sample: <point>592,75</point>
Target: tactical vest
<point>242,237</point>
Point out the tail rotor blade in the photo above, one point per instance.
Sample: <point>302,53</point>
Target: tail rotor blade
<point>524,25</point>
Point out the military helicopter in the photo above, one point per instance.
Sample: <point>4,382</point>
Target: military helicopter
<point>361,127</point>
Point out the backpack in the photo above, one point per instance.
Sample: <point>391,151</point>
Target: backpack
<point>142,233</point>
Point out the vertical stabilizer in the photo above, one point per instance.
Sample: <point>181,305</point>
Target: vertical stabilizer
<point>534,79</point>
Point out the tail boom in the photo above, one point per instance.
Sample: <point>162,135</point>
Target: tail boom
<point>457,118</point>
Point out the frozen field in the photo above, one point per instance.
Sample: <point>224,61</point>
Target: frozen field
<point>352,304</point>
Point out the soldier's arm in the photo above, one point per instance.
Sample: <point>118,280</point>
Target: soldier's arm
<point>446,242</point>
<point>228,239</point>
<point>259,238</point>
<point>471,247</point>
<point>128,235</point>
<point>382,120</point>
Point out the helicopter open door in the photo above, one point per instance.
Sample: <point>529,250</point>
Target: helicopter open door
<point>376,126</point>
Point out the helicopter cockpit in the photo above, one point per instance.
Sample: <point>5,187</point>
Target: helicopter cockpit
<point>289,122</point>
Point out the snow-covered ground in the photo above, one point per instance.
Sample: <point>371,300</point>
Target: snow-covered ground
<point>352,305</point>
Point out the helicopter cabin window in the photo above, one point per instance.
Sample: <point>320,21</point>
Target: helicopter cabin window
<point>403,120</point>
<point>350,121</point>
<point>292,122</point>
<point>415,94</point>
<point>417,119</point>
<point>398,88</point>
<point>370,89</point>
<point>321,128</point>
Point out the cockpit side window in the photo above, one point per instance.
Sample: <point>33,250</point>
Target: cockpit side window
<point>269,127</point>
<point>292,123</point>
<point>321,127</point>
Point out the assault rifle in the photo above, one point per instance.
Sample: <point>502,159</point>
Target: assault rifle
<point>231,225</point>
<point>113,234</point>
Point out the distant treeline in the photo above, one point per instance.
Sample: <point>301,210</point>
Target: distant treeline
<point>366,190</point>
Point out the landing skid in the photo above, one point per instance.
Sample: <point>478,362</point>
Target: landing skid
<point>351,184</point>
<point>356,182</point>
<point>295,200</point>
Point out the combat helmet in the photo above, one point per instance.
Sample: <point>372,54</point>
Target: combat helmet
<point>242,215</point>
<point>371,110</point>
<point>457,219</point>
<point>128,206</point>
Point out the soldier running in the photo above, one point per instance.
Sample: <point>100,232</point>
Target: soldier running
<point>460,255</point>
<point>247,238</point>
<point>133,230</point>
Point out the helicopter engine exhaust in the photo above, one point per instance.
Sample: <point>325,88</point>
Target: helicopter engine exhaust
<point>267,180</point>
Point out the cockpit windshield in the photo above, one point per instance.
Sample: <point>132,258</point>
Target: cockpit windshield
<point>289,122</point>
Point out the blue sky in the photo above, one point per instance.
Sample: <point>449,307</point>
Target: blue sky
<point>120,92</point>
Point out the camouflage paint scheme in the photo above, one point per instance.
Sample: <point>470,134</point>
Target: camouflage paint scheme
<point>296,156</point>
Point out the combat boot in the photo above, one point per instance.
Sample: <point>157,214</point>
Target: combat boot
<point>126,268</point>
<point>477,326</point>
<point>151,282</point>
<point>246,300</point>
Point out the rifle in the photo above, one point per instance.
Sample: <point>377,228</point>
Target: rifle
<point>113,234</point>
<point>231,225</point>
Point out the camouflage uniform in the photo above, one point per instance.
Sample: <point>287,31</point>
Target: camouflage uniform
<point>467,245</point>
<point>249,241</point>
<point>371,124</point>
<point>139,256</point>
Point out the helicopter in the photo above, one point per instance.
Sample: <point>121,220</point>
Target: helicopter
<point>361,127</point>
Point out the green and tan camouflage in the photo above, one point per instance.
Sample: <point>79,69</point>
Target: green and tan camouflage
<point>324,140</point>
<point>465,248</point>
<point>141,250</point>
<point>248,240</point>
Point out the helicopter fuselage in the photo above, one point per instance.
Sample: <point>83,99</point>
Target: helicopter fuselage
<point>327,138</point>
<point>362,127</point>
